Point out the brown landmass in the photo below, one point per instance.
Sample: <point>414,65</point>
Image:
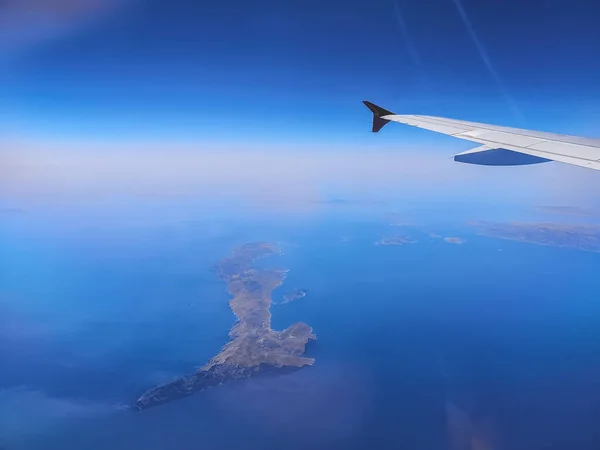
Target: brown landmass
<point>253,345</point>
<point>580,237</point>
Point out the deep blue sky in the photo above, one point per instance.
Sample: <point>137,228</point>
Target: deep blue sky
<point>296,70</point>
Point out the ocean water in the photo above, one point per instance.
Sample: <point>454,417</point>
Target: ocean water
<point>506,333</point>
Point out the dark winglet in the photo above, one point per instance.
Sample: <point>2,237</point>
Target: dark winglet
<point>378,112</point>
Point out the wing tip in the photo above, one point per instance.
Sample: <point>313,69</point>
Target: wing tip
<point>377,110</point>
<point>378,113</point>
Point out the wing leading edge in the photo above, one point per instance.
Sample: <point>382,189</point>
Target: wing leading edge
<point>501,146</point>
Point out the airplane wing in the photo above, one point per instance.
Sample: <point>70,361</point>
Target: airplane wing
<point>501,146</point>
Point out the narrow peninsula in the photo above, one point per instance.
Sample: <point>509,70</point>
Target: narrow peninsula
<point>253,346</point>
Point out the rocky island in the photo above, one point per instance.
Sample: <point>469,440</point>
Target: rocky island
<point>296,294</point>
<point>399,240</point>
<point>455,240</point>
<point>253,345</point>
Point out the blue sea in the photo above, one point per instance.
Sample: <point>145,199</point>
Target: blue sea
<point>499,337</point>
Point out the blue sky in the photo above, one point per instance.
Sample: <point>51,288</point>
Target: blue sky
<point>263,98</point>
<point>296,71</point>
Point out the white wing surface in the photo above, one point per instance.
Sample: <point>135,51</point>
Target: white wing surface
<point>501,146</point>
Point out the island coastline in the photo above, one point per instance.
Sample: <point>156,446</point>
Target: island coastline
<point>254,346</point>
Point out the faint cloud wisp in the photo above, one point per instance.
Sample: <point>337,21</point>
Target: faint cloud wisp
<point>24,23</point>
<point>488,62</point>
<point>410,46</point>
<point>26,412</point>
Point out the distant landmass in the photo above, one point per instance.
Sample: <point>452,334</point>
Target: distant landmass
<point>455,240</point>
<point>398,240</point>
<point>254,346</point>
<point>449,239</point>
<point>580,237</point>
<point>567,210</point>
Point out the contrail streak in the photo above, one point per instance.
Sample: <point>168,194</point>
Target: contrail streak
<point>410,47</point>
<point>488,62</point>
